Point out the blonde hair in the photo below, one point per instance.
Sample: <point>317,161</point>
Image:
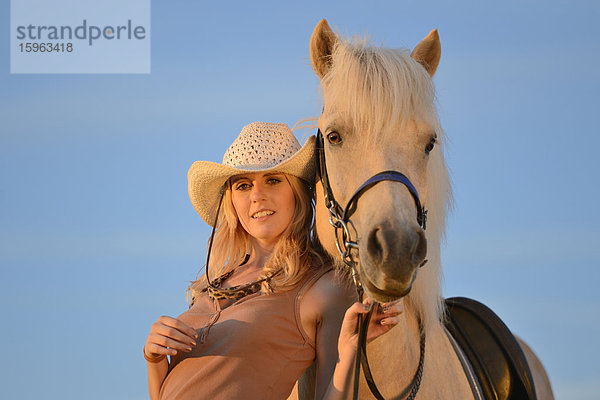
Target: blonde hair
<point>379,87</point>
<point>294,253</point>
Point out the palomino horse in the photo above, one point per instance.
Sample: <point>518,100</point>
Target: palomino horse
<point>379,115</point>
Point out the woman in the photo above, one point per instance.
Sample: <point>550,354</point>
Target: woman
<point>274,307</point>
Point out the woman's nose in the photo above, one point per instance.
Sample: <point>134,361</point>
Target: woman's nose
<point>257,192</point>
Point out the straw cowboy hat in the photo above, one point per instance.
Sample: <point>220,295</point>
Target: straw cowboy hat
<point>260,147</point>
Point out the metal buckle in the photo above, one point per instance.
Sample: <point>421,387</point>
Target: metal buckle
<point>334,218</point>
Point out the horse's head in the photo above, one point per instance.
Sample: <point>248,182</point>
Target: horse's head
<point>379,115</point>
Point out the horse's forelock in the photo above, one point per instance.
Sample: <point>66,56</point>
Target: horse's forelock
<point>380,88</point>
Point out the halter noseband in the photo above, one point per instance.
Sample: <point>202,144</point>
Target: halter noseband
<point>339,218</point>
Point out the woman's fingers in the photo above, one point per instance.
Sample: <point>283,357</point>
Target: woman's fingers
<point>387,321</point>
<point>387,310</point>
<point>385,316</point>
<point>380,312</point>
<point>350,322</point>
<point>351,317</point>
<point>174,334</point>
<point>154,350</point>
<point>392,308</point>
<point>179,326</point>
<point>168,336</point>
<point>173,343</point>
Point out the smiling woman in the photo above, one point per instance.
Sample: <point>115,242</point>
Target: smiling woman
<point>265,204</point>
<point>270,305</point>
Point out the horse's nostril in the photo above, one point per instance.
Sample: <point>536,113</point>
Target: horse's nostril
<point>385,246</point>
<point>374,246</point>
<point>421,249</point>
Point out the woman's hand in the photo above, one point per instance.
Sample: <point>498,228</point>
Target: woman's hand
<point>167,336</point>
<point>385,317</point>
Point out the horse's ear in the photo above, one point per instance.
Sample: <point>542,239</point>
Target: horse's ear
<point>428,52</point>
<point>321,47</point>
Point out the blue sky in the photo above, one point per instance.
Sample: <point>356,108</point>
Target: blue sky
<point>98,238</point>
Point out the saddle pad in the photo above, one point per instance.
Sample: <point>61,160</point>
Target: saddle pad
<point>494,353</point>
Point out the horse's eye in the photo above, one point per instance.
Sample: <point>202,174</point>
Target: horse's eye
<point>334,137</point>
<point>430,145</point>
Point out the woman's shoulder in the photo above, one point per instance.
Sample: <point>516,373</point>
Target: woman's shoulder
<point>331,290</point>
<point>325,301</point>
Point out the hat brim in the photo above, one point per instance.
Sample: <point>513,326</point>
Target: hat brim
<point>206,178</point>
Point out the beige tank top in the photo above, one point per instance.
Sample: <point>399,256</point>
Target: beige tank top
<point>256,348</point>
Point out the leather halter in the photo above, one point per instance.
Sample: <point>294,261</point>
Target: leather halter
<point>339,218</point>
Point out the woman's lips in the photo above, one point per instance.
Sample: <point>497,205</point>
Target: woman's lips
<point>262,214</point>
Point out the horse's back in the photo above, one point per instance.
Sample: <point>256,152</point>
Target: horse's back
<point>543,389</point>
<point>505,366</point>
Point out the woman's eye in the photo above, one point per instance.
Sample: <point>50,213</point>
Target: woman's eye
<point>334,137</point>
<point>242,186</point>
<point>430,145</point>
<point>273,181</point>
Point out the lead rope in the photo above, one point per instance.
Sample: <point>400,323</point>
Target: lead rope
<point>361,360</point>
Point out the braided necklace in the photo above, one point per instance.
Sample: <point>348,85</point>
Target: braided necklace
<point>216,291</point>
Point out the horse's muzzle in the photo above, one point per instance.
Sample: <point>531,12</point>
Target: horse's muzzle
<point>391,260</point>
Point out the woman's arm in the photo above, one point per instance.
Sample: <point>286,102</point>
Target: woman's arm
<point>157,371</point>
<point>322,311</point>
<point>334,367</point>
<point>167,336</point>
<point>384,318</point>
<point>336,333</point>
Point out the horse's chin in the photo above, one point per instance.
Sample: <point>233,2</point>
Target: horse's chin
<point>387,294</point>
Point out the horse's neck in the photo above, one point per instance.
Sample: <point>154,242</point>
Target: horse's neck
<point>394,359</point>
<point>404,339</point>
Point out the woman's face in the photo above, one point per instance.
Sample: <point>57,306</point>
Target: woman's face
<point>264,203</point>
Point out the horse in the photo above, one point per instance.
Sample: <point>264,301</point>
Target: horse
<point>379,115</point>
